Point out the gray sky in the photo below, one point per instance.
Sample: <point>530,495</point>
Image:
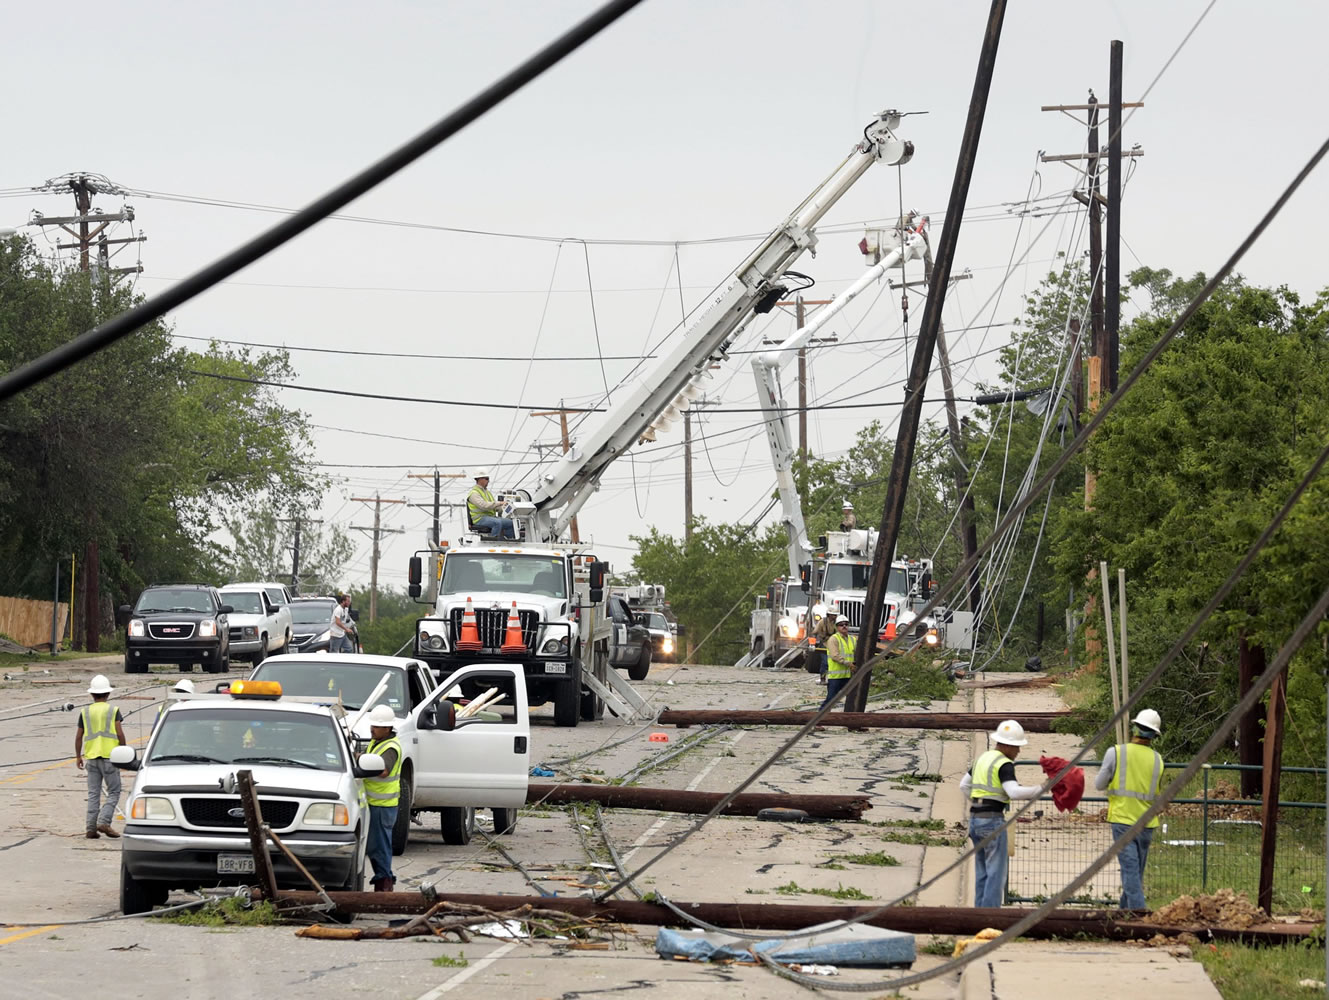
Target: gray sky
<point>687,121</point>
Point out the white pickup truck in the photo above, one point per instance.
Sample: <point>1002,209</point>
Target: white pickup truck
<point>484,762</point>
<point>261,622</point>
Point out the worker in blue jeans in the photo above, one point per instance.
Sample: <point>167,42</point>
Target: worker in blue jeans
<point>383,792</point>
<point>840,656</point>
<point>1131,774</point>
<point>990,786</point>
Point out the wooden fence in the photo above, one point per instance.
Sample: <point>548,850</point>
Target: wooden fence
<point>29,622</point>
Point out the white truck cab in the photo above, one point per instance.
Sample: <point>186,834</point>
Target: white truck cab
<point>484,761</point>
<point>260,625</point>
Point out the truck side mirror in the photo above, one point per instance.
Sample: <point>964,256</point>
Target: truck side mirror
<point>226,609</point>
<point>805,577</point>
<point>441,716</point>
<point>122,614</point>
<point>413,576</point>
<point>598,572</point>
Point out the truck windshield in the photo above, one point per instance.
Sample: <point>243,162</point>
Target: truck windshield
<point>654,620</point>
<point>227,733</point>
<point>327,678</point>
<point>246,602</point>
<point>854,576</point>
<point>173,600</point>
<point>470,573</point>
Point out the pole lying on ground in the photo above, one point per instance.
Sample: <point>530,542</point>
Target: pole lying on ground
<point>1034,722</point>
<point>792,917</point>
<point>700,803</point>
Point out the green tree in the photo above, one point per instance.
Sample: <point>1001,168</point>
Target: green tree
<point>262,550</point>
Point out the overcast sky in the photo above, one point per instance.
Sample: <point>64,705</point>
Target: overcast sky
<point>687,121</point>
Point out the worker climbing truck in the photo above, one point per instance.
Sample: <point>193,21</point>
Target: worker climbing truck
<point>562,624</point>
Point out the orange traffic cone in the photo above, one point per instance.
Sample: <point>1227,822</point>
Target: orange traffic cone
<point>469,640</point>
<point>513,642</point>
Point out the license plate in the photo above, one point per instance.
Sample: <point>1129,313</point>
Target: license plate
<point>235,864</point>
<point>556,668</point>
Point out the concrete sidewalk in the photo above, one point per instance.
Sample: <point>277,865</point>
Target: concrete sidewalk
<point>1042,970</point>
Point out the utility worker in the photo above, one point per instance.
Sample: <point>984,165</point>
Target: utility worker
<point>185,686</point>
<point>840,653</point>
<point>342,627</point>
<point>382,793</point>
<point>847,519</point>
<point>99,732</point>
<point>822,633</point>
<point>990,786</point>
<point>482,509</point>
<point>1131,775</point>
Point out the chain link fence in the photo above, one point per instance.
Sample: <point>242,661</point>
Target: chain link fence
<point>1202,843</point>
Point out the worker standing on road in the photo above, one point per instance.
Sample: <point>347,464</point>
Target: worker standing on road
<point>990,786</point>
<point>342,627</point>
<point>482,509</point>
<point>840,653</point>
<point>1131,775</point>
<point>847,519</point>
<point>823,632</point>
<point>382,793</point>
<point>99,732</point>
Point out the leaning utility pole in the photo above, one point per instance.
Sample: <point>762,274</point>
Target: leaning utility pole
<point>911,414</point>
<point>800,305</point>
<point>687,468</point>
<point>377,531</point>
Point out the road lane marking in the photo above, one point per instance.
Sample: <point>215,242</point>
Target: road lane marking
<point>28,933</point>
<point>465,974</point>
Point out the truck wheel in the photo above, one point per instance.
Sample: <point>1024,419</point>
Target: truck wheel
<point>592,706</point>
<point>285,645</point>
<point>505,821</point>
<point>457,824</point>
<point>139,895</point>
<point>567,698</point>
<point>402,828</point>
<point>135,668</point>
<point>643,667</point>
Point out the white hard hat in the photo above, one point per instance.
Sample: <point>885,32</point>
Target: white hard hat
<point>847,506</point>
<point>100,685</point>
<point>382,716</point>
<point>1149,719</point>
<point>185,684</point>
<point>1011,733</point>
<point>480,474</point>
<point>841,618</point>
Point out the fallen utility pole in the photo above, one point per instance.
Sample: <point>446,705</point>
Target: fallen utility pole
<point>789,917</point>
<point>1033,722</point>
<point>699,803</point>
<point>911,413</point>
<point>244,785</point>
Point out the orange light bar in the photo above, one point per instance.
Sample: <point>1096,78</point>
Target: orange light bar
<point>255,689</point>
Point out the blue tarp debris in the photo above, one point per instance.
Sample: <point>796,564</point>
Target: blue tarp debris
<point>857,945</point>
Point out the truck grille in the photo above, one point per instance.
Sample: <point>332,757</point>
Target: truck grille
<point>171,630</point>
<point>493,624</point>
<point>853,610</point>
<point>235,634</point>
<point>277,813</point>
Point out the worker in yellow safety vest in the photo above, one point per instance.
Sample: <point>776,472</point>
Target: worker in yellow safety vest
<point>990,786</point>
<point>482,509</point>
<point>1131,774</point>
<point>383,793</point>
<point>840,659</point>
<point>99,732</point>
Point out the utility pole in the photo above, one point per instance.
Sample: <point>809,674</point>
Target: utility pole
<point>687,467</point>
<point>376,531</point>
<point>911,413</point>
<point>1113,262</point>
<point>91,225</point>
<point>562,415</point>
<point>295,549</point>
<point>799,306</point>
<point>437,506</point>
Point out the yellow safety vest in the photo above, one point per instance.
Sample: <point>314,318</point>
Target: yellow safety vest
<point>474,511</point>
<point>1134,784</point>
<point>984,776</point>
<point>99,737</point>
<point>840,652</point>
<point>383,791</point>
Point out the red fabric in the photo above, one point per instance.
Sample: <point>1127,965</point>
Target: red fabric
<point>1067,792</point>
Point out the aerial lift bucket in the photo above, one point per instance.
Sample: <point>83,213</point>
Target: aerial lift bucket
<point>513,643</point>
<point>469,640</point>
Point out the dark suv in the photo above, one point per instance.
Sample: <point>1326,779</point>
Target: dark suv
<point>182,623</point>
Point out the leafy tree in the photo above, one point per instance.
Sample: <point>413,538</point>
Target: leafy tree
<point>263,549</point>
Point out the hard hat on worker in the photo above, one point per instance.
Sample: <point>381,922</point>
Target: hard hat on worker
<point>1149,723</point>
<point>185,685</point>
<point>841,620</point>
<point>847,506</point>
<point>1010,733</point>
<point>100,685</point>
<point>382,716</point>
<point>480,474</point>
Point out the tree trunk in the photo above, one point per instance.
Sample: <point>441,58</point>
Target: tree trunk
<point>1250,738</point>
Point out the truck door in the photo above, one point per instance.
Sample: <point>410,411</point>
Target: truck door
<point>485,760</point>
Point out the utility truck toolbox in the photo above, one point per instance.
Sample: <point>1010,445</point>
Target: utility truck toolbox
<point>185,826</point>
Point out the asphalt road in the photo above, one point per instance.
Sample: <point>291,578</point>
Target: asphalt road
<point>53,876</point>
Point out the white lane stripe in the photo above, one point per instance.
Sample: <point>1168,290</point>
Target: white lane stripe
<point>466,973</point>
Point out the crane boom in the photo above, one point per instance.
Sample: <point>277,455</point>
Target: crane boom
<point>650,405</point>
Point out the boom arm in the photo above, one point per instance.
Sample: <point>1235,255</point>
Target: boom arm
<point>766,367</point>
<point>563,491</point>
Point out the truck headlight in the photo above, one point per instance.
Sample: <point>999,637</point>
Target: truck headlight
<point>136,628</point>
<point>788,628</point>
<point>668,645</point>
<point>152,807</point>
<point>250,631</point>
<point>553,647</point>
<point>208,629</point>
<point>327,814</point>
<point>931,637</point>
